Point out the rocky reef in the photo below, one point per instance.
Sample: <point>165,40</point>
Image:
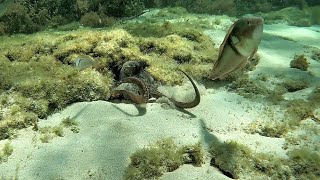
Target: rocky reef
<point>21,16</point>
<point>39,74</point>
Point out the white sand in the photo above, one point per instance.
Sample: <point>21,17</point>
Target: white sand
<point>110,133</point>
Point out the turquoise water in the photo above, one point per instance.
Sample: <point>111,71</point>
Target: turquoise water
<point>94,89</point>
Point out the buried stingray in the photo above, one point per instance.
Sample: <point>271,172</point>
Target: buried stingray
<point>147,86</point>
<point>239,45</point>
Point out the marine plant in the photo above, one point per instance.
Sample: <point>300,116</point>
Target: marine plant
<point>5,152</point>
<point>164,48</point>
<point>48,133</point>
<point>314,96</point>
<point>300,62</point>
<point>305,163</point>
<point>3,28</point>
<point>269,128</point>
<point>91,19</point>
<point>67,122</point>
<point>17,20</point>
<point>25,16</point>
<point>164,156</point>
<point>117,8</point>
<point>16,116</point>
<point>238,161</point>
<point>45,79</point>
<point>35,98</point>
<point>42,14</point>
<point>230,158</point>
<point>316,55</point>
<point>292,85</point>
<point>254,88</point>
<point>299,109</point>
<point>71,123</point>
<point>247,87</point>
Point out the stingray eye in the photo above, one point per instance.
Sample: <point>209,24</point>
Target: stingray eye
<point>248,23</point>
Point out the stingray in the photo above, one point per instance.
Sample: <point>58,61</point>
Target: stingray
<point>239,45</point>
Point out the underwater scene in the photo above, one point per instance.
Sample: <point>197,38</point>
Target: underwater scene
<point>159,89</point>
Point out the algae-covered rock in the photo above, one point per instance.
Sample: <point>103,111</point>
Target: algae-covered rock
<point>91,19</point>
<point>39,73</point>
<point>94,20</point>
<point>248,87</point>
<point>292,85</point>
<point>238,161</point>
<point>300,62</point>
<point>314,96</point>
<point>17,20</point>
<point>163,44</point>
<point>305,163</point>
<point>24,16</point>
<point>316,55</point>
<point>300,109</point>
<point>164,156</point>
<point>292,15</point>
<point>269,128</point>
<point>38,89</point>
<point>231,158</point>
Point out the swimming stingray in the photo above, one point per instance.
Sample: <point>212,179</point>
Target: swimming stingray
<point>238,46</point>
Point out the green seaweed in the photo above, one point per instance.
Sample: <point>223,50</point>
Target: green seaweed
<point>274,130</point>
<point>238,161</point>
<point>48,133</point>
<point>295,85</point>
<point>305,163</point>
<point>300,62</point>
<point>247,87</point>
<point>67,122</point>
<point>231,158</point>
<point>25,16</point>
<point>299,110</point>
<point>44,79</point>
<point>71,123</point>
<point>314,96</point>
<point>6,152</point>
<point>164,156</point>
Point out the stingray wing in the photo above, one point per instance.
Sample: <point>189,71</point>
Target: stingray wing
<point>226,38</point>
